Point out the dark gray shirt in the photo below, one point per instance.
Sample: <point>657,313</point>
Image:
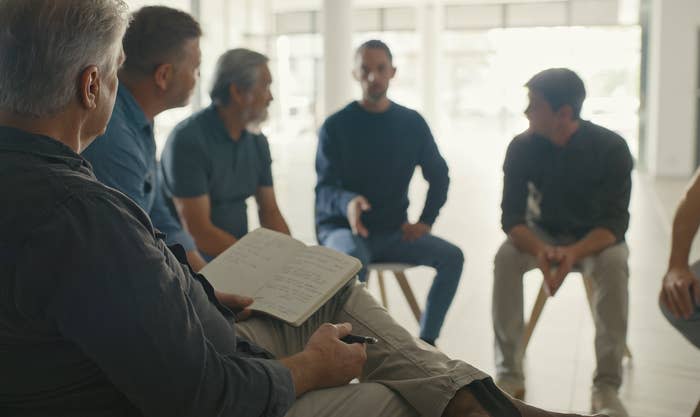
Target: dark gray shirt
<point>578,187</point>
<point>98,317</point>
<point>201,158</point>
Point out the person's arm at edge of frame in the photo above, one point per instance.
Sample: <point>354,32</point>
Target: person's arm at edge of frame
<point>679,282</point>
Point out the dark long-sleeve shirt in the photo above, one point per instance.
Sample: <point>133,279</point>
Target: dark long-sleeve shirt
<point>98,317</point>
<point>375,155</point>
<point>574,189</point>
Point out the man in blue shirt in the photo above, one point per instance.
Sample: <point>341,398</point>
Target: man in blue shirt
<point>367,153</point>
<point>160,72</point>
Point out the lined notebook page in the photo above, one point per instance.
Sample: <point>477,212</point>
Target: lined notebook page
<point>306,282</point>
<point>246,266</point>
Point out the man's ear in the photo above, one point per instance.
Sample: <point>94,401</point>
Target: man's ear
<point>89,87</point>
<point>163,75</point>
<point>393,71</point>
<point>236,95</point>
<point>356,74</point>
<point>566,112</point>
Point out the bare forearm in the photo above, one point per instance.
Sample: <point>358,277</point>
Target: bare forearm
<point>595,241</point>
<point>300,367</point>
<point>526,240</point>
<point>212,240</point>
<point>274,221</point>
<point>685,226</point>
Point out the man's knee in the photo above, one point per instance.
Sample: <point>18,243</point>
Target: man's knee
<point>453,255</point>
<point>611,265</point>
<point>507,254</point>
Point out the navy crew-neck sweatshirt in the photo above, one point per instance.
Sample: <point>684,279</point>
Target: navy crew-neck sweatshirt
<point>375,155</point>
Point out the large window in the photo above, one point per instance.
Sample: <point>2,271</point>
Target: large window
<point>484,73</point>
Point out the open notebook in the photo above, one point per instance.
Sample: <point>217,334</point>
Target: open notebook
<point>286,278</point>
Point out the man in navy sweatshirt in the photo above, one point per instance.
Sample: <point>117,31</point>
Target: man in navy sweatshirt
<point>367,153</point>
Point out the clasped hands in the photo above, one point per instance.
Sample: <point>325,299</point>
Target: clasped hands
<point>556,262</point>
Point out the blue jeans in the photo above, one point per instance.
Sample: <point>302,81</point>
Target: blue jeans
<point>429,250</point>
<point>690,328</point>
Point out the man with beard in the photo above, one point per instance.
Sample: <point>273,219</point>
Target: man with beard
<point>212,163</point>
<point>367,153</point>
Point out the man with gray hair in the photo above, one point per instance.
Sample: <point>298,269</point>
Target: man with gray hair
<point>212,163</point>
<point>99,318</point>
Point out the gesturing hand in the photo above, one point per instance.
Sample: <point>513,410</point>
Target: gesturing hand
<point>355,208</point>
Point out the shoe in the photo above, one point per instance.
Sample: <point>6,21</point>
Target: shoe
<point>605,400</point>
<point>512,386</point>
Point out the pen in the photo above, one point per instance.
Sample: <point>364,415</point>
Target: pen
<point>351,338</point>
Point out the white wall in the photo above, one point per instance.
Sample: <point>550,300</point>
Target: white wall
<point>673,59</point>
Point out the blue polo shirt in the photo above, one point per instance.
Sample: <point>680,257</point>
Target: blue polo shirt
<point>125,158</point>
<point>200,157</point>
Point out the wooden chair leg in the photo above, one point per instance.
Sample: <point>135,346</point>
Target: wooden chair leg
<point>408,293</point>
<point>696,413</point>
<point>382,289</point>
<point>588,284</point>
<point>534,316</point>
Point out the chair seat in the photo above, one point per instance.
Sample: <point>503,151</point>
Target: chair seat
<point>389,266</point>
<point>398,270</point>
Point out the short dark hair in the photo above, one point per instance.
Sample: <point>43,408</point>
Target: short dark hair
<point>559,87</point>
<point>156,34</point>
<point>375,44</point>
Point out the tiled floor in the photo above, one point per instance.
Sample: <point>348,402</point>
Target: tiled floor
<point>662,379</point>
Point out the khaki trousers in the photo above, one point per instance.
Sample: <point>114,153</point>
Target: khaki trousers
<point>609,272</point>
<point>402,377</point>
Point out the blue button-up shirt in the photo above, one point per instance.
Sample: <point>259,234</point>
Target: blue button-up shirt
<point>125,158</point>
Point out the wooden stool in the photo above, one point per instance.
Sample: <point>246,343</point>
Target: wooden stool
<point>539,305</point>
<point>398,271</point>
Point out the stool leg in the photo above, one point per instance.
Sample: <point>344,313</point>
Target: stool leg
<point>382,290</point>
<point>408,293</point>
<point>534,316</point>
<point>697,411</point>
<point>588,284</point>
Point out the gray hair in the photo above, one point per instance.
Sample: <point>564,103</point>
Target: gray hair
<point>239,67</point>
<point>45,44</point>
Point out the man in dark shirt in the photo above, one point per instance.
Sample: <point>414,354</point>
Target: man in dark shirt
<point>367,153</point>
<point>212,162</point>
<point>99,318</point>
<point>160,72</point>
<point>566,192</point>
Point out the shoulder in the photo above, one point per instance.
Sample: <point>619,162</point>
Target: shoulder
<point>522,142</point>
<point>189,133</point>
<point>343,117</point>
<point>607,141</point>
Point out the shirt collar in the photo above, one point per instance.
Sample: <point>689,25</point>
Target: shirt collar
<point>16,140</point>
<point>213,117</point>
<point>132,109</point>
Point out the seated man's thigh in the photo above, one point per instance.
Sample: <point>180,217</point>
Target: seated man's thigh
<point>366,400</point>
<point>343,240</point>
<point>428,250</point>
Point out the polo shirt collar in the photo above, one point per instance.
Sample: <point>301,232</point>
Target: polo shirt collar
<point>217,124</point>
